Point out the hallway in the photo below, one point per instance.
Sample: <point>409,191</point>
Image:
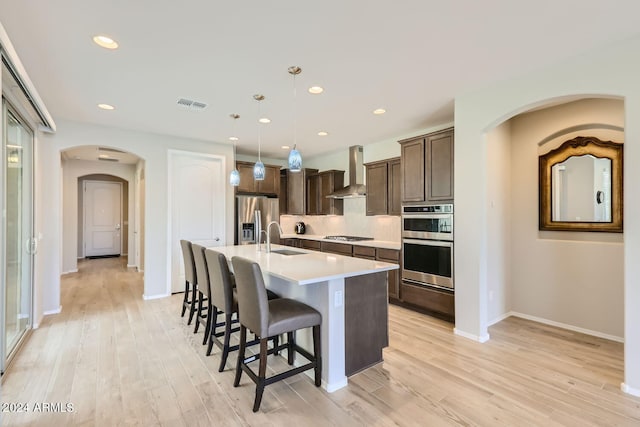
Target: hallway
<point>120,360</point>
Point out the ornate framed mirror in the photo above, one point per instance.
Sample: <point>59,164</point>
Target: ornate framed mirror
<point>580,186</point>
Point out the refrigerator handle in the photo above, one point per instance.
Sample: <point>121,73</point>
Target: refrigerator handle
<point>258,228</point>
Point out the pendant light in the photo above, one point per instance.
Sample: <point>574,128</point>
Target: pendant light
<point>258,168</point>
<point>295,159</point>
<point>234,176</point>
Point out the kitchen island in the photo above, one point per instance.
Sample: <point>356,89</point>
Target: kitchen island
<point>350,293</point>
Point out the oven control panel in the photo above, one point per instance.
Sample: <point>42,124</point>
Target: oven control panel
<point>448,208</point>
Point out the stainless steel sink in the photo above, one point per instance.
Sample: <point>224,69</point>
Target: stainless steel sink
<point>287,252</point>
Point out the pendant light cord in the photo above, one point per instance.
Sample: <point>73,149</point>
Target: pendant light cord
<point>295,115</point>
<point>259,129</point>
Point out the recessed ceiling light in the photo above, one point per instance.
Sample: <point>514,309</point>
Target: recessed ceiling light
<point>379,111</point>
<point>285,147</point>
<point>233,138</point>
<point>103,156</point>
<point>105,42</point>
<point>323,133</point>
<point>316,90</point>
<point>264,120</point>
<point>106,106</point>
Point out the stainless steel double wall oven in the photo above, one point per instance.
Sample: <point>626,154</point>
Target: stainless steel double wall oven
<point>427,245</point>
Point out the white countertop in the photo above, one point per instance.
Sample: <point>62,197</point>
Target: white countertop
<point>309,267</point>
<point>371,243</point>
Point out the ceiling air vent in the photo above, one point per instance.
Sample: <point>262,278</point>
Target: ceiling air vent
<point>189,104</point>
<point>108,159</point>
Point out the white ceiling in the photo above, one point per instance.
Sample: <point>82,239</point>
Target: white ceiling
<point>410,57</point>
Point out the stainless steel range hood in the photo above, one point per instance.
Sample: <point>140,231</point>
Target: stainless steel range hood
<point>356,188</point>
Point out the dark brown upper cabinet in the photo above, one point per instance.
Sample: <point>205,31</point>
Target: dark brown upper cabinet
<point>427,167</point>
<point>384,187</point>
<point>319,186</point>
<point>313,193</point>
<point>330,181</point>
<point>282,197</point>
<point>297,190</point>
<point>270,184</point>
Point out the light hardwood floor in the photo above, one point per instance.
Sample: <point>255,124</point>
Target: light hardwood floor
<point>124,361</point>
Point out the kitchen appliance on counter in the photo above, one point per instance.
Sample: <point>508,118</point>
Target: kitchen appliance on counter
<point>253,213</point>
<point>300,227</point>
<point>427,245</point>
<point>348,238</point>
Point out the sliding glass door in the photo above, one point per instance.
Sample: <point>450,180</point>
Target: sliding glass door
<point>17,231</point>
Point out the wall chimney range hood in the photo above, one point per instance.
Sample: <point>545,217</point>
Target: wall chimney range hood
<point>356,188</point>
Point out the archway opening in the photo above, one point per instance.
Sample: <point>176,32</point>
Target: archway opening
<point>83,164</point>
<point>574,280</point>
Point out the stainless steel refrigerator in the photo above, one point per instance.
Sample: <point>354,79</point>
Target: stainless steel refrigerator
<point>246,227</point>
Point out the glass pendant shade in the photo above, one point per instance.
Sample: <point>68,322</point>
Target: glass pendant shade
<point>295,160</point>
<point>234,178</point>
<point>258,171</point>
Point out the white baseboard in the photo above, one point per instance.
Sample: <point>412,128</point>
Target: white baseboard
<point>335,386</point>
<point>479,338</point>
<point>500,318</point>
<point>150,297</point>
<point>630,390</point>
<point>131,266</point>
<point>75,270</point>
<point>568,327</point>
<point>55,311</point>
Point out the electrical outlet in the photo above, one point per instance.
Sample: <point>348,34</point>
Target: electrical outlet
<point>337,299</point>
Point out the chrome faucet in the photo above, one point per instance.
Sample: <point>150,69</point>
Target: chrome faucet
<point>269,234</point>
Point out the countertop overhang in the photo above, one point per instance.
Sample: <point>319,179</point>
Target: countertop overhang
<point>308,267</point>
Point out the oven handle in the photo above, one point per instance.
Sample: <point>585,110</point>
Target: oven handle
<point>427,216</point>
<point>428,243</point>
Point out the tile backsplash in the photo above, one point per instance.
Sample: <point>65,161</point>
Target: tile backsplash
<point>354,222</point>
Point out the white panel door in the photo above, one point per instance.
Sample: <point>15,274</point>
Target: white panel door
<point>102,218</point>
<point>197,204</point>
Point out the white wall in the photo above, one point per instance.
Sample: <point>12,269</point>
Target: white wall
<point>499,189</point>
<point>71,171</point>
<point>150,147</point>
<point>573,278</point>
<point>611,71</point>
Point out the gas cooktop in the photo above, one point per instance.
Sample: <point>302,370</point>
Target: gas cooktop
<point>348,238</point>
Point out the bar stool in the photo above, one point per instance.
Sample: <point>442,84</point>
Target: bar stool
<point>269,318</point>
<point>189,280</point>
<point>203,313</point>
<point>225,299</point>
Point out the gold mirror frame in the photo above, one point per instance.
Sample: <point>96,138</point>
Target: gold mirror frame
<point>581,146</point>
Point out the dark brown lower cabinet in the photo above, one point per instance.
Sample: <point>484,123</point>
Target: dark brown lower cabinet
<point>365,320</point>
<point>430,299</point>
<point>310,244</point>
<point>336,248</point>
<point>391,256</point>
<point>291,242</point>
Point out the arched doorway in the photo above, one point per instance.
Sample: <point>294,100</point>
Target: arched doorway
<point>574,280</point>
<point>80,164</point>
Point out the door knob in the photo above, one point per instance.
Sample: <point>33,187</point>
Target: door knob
<point>117,226</point>
<point>217,239</point>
